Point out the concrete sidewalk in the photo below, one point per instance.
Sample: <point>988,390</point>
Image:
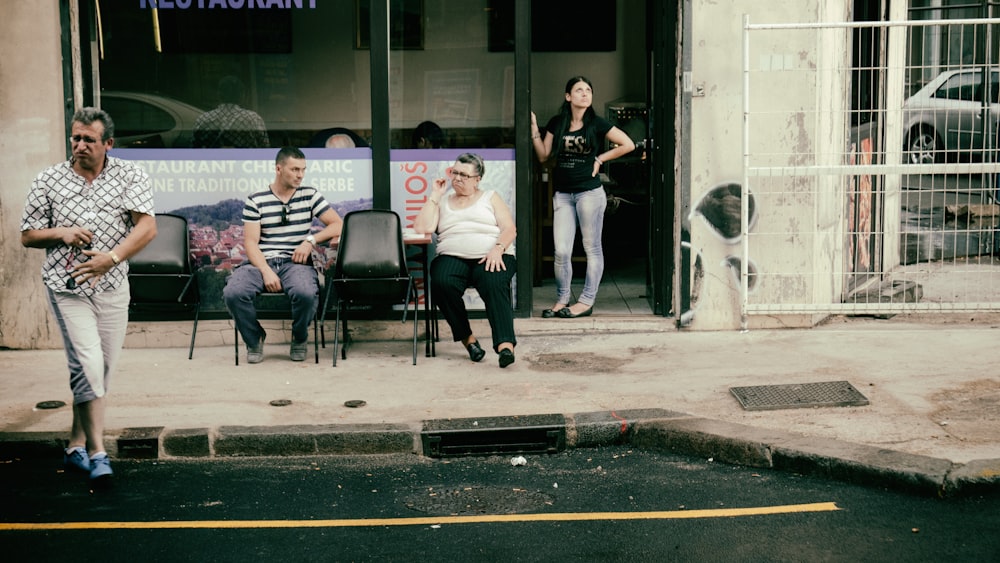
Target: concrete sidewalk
<point>932,425</point>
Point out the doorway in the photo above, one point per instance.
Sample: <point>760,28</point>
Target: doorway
<point>633,90</point>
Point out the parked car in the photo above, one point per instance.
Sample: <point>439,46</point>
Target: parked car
<point>149,121</point>
<point>945,117</point>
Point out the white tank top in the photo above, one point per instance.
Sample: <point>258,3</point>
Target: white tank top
<point>470,232</point>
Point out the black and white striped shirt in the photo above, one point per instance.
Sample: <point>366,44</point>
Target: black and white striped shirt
<point>283,226</point>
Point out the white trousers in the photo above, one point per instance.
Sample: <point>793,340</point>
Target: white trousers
<point>93,330</point>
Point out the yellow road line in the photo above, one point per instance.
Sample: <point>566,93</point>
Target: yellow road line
<point>425,521</point>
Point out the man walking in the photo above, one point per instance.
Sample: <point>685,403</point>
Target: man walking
<point>90,214</point>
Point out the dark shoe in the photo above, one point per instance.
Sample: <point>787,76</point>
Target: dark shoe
<point>549,313</point>
<point>255,354</point>
<point>476,352</point>
<point>506,357</point>
<point>565,313</point>
<point>298,351</point>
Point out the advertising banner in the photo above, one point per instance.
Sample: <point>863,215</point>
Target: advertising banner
<point>208,187</point>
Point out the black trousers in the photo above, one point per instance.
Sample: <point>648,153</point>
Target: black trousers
<point>450,276</point>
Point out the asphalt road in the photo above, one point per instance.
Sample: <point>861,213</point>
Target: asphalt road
<point>609,504</point>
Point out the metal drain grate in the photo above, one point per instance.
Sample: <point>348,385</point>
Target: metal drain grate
<point>795,396</point>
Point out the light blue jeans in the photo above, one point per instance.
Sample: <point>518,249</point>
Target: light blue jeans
<point>585,209</point>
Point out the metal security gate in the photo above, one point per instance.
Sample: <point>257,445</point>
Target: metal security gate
<point>886,164</point>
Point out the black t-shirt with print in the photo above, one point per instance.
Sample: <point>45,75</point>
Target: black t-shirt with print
<point>574,168</point>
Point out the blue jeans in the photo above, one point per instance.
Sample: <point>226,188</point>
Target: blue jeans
<point>246,282</point>
<point>585,209</point>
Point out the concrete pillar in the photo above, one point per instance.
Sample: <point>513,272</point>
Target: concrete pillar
<point>32,136</point>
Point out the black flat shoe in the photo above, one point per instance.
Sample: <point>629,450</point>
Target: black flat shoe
<point>550,313</point>
<point>476,352</point>
<point>506,357</point>
<point>565,313</point>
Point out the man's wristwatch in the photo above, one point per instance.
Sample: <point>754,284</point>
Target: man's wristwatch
<point>311,240</point>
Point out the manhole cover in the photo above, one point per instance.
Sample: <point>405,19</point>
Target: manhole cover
<point>50,405</point>
<point>800,395</point>
<point>469,500</point>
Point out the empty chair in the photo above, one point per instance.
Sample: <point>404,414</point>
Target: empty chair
<point>161,276</point>
<point>371,269</point>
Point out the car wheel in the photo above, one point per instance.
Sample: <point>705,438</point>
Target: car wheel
<point>922,147</point>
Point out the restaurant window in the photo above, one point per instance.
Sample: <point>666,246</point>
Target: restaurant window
<point>204,96</point>
<point>295,67</point>
<point>448,94</point>
<point>453,80</point>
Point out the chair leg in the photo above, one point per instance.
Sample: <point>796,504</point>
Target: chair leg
<point>336,334</point>
<point>194,332</point>
<point>236,344</point>
<point>414,326</point>
<point>316,337</point>
<point>347,337</point>
<point>322,317</point>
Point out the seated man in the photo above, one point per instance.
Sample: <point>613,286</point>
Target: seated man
<point>279,248</point>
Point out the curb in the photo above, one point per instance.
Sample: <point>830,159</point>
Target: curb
<point>649,429</point>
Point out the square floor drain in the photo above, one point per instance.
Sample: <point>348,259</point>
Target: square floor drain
<point>800,395</point>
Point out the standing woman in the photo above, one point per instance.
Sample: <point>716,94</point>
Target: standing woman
<point>575,138</point>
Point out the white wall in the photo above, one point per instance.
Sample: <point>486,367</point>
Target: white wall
<point>716,136</point>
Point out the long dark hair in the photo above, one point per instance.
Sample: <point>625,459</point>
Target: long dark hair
<point>566,115</point>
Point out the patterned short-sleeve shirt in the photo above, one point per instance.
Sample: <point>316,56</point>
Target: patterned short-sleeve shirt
<point>59,197</point>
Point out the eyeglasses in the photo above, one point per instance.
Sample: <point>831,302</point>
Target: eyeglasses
<point>462,176</point>
<point>284,214</point>
<point>70,281</point>
<point>82,139</point>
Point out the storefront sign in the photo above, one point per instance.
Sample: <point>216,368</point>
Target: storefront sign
<point>226,4</point>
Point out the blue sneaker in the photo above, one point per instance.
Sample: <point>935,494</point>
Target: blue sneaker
<point>75,459</point>
<point>100,467</point>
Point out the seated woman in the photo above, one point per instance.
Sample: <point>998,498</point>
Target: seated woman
<point>475,247</point>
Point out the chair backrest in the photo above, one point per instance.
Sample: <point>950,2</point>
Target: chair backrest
<point>169,252</point>
<point>371,245</point>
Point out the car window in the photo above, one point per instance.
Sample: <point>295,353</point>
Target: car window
<point>133,117</point>
<point>963,86</point>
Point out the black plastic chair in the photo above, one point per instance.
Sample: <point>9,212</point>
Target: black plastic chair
<point>161,276</point>
<point>371,269</point>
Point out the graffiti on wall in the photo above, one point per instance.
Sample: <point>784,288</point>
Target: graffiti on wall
<point>720,208</point>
